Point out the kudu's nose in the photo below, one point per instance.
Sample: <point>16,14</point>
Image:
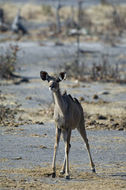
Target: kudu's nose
<point>51,86</point>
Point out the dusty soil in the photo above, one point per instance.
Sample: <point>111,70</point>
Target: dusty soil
<point>37,178</point>
<point>101,112</point>
<point>27,150</point>
<point>26,111</point>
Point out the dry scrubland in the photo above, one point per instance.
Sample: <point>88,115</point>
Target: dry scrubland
<point>99,114</point>
<point>97,20</point>
<point>100,14</point>
<point>37,179</point>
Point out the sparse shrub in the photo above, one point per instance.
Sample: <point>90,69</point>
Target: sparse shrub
<point>73,69</point>
<point>105,71</point>
<point>7,116</point>
<point>118,19</point>
<point>83,18</point>
<point>4,112</point>
<point>47,10</point>
<point>8,61</point>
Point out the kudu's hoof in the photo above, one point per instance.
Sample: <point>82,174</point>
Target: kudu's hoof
<point>93,170</point>
<point>53,175</point>
<point>67,177</point>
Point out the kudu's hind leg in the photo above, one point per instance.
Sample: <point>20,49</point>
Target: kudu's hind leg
<point>58,134</point>
<point>84,136</point>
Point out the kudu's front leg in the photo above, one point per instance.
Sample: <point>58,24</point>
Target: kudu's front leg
<point>58,134</point>
<point>66,137</point>
<point>64,163</point>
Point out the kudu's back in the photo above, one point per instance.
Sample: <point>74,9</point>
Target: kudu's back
<point>73,115</point>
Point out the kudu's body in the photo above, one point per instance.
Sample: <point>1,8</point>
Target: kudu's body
<point>68,115</point>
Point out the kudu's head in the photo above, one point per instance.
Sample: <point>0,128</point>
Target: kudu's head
<point>53,81</point>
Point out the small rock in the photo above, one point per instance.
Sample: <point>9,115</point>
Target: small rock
<point>105,93</point>
<point>16,125</point>
<point>39,122</point>
<point>24,80</point>
<point>17,158</point>
<point>120,129</point>
<point>28,98</point>
<point>42,147</point>
<point>111,119</point>
<point>93,122</point>
<point>81,98</point>
<point>101,117</point>
<point>59,44</point>
<point>115,126</point>
<point>95,96</point>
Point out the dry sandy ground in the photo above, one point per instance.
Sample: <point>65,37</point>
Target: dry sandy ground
<point>99,114</point>
<point>39,178</point>
<point>104,110</point>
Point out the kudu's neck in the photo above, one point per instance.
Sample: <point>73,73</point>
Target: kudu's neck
<point>58,100</point>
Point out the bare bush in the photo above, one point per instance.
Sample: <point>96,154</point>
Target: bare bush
<point>8,61</point>
<point>83,18</point>
<point>105,71</point>
<point>75,69</point>
<point>47,10</point>
<point>118,19</point>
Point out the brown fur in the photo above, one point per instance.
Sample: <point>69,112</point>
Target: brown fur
<point>68,115</point>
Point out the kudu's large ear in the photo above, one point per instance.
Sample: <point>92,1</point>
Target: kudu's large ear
<point>44,75</point>
<point>62,76</point>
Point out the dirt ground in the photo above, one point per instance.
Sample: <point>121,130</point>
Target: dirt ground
<point>99,115</point>
<point>27,140</point>
<point>26,108</point>
<point>38,178</point>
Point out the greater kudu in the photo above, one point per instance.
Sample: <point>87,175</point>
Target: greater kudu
<point>68,115</point>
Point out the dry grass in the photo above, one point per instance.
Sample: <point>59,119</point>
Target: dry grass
<point>101,14</point>
<point>96,20</point>
<point>39,13</point>
<point>28,11</point>
<point>8,62</point>
<point>113,109</point>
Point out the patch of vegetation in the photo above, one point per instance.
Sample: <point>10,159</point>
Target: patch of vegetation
<point>8,61</point>
<point>47,10</point>
<point>104,69</point>
<point>7,115</point>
